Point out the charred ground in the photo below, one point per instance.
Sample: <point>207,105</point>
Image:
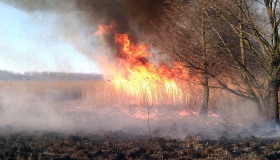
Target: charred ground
<point>120,145</point>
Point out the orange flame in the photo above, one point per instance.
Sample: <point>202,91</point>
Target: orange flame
<point>135,76</point>
<point>102,29</point>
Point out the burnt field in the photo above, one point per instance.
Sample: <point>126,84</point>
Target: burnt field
<point>90,120</point>
<point>120,145</point>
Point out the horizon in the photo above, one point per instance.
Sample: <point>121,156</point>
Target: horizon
<point>22,73</point>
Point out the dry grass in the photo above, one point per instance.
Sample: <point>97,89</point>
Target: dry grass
<point>101,93</point>
<point>50,90</point>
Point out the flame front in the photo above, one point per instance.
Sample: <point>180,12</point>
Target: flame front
<point>141,80</point>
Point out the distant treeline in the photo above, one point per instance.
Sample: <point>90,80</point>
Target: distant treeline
<point>44,76</point>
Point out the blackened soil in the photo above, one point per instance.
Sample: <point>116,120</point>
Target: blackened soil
<point>118,145</point>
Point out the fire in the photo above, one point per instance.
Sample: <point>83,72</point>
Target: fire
<point>105,28</point>
<point>143,81</point>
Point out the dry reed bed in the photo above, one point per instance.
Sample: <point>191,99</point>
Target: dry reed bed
<point>99,93</point>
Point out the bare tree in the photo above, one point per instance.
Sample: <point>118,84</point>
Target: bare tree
<point>256,24</point>
<point>187,37</point>
<point>205,35</point>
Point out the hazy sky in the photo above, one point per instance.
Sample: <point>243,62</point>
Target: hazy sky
<point>28,43</point>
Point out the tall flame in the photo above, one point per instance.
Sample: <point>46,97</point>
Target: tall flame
<point>143,81</point>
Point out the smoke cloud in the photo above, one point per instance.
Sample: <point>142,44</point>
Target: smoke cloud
<point>78,19</point>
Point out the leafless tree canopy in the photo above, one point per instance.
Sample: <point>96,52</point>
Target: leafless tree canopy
<point>232,44</point>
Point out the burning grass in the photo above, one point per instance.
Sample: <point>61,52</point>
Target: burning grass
<point>98,105</point>
<point>102,94</point>
<point>90,119</point>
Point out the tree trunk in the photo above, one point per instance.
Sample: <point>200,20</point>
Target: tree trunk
<point>273,102</point>
<point>205,101</point>
<point>262,106</point>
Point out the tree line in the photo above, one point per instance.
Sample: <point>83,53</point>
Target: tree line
<point>46,76</point>
<point>227,44</point>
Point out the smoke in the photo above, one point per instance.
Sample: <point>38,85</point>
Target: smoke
<point>51,110</point>
<point>70,117</point>
<point>78,19</point>
<point>131,16</point>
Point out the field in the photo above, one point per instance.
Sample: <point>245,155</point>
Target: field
<point>119,145</point>
<point>90,119</point>
<point>56,104</point>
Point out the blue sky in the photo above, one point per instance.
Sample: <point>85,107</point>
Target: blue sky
<point>28,43</point>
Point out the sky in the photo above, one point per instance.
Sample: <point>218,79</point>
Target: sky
<point>28,43</point>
